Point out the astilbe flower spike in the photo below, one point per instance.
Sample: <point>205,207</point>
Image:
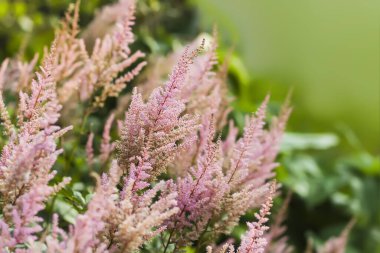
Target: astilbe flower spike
<point>158,126</point>
<point>243,161</point>
<point>142,215</point>
<point>105,20</point>
<point>276,238</point>
<point>246,147</point>
<point>200,193</point>
<point>4,115</point>
<point>26,160</point>
<point>269,147</point>
<point>92,73</point>
<point>100,74</point>
<point>106,146</point>
<point>136,216</point>
<point>205,94</point>
<point>23,214</point>
<point>90,149</point>
<point>121,221</point>
<point>204,91</point>
<point>338,244</point>
<point>18,74</point>
<point>254,240</point>
<point>31,153</point>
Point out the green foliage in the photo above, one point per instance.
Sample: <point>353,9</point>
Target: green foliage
<point>27,26</point>
<point>329,190</point>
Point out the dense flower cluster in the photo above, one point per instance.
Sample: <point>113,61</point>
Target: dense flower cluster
<point>172,182</point>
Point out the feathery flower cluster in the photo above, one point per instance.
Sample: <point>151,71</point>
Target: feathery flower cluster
<point>26,160</point>
<point>158,127</point>
<point>201,191</point>
<point>254,241</point>
<point>173,181</point>
<point>99,71</point>
<point>338,244</point>
<point>277,241</point>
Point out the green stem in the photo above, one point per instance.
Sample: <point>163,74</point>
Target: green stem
<point>84,121</point>
<point>81,131</point>
<point>170,237</point>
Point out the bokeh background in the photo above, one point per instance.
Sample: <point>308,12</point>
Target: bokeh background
<point>327,52</point>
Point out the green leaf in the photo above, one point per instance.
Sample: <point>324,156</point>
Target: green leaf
<point>300,141</point>
<point>79,197</point>
<point>66,210</point>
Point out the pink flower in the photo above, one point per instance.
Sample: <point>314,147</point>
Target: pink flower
<point>254,241</point>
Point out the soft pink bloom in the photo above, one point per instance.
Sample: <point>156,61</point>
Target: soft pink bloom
<point>254,240</point>
<point>243,156</point>
<point>200,193</point>
<point>338,244</point>
<point>158,127</point>
<point>90,149</point>
<point>106,147</point>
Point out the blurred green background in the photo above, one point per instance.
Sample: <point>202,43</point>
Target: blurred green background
<point>326,51</point>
